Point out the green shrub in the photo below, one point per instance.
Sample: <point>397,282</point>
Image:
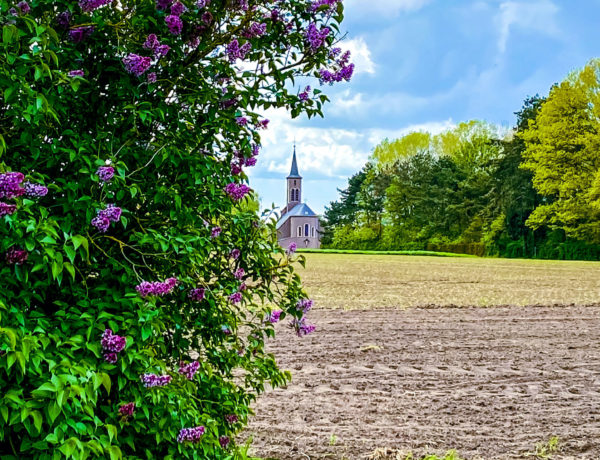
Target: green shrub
<point>134,309</point>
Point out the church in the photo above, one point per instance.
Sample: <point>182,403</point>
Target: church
<point>298,223</point>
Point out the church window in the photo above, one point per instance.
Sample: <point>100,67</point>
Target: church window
<point>294,182</point>
<point>312,233</point>
<point>297,195</point>
<point>299,231</point>
<point>306,230</point>
<point>292,195</point>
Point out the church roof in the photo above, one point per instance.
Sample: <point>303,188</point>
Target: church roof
<point>294,174</point>
<point>300,210</point>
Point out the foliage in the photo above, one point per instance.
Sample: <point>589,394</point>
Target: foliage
<point>139,284</point>
<point>562,153</point>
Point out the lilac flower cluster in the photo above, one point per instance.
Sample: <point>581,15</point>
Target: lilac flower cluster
<point>153,380</point>
<point>154,45</point>
<point>24,7</point>
<point>10,185</point>
<point>240,161</point>
<point>79,34</point>
<point>163,4</point>
<point>215,232</point>
<point>178,8</point>
<point>106,173</point>
<point>189,370</point>
<point>111,345</point>
<point>236,297</point>
<point>235,253</point>
<point>174,24</point>
<point>304,305</point>
<point>274,316</point>
<point>224,441</point>
<point>234,51</point>
<point>76,73</point>
<point>156,288</point>
<point>197,294</point>
<point>152,77</point>
<point>291,249</point>
<point>35,190</point>
<point>136,64</point>
<point>315,37</point>
<point>344,71</point>
<point>64,19</point>
<point>16,256</point>
<point>190,434</point>
<point>237,191</point>
<point>304,94</point>
<point>241,121</point>
<point>202,3</point>
<point>301,327</point>
<point>239,273</point>
<point>231,419</point>
<point>226,330</point>
<point>255,30</point>
<point>105,216</point>
<point>126,410</point>
<point>87,6</point>
<point>7,209</point>
<point>263,124</point>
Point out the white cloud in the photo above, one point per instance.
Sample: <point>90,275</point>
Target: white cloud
<point>538,16</point>
<point>386,7</point>
<point>361,55</point>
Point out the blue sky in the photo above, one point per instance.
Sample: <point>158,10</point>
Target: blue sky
<point>425,65</point>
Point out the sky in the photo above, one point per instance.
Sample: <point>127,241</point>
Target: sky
<point>425,65</point>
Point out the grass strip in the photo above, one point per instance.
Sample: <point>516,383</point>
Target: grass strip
<point>388,253</point>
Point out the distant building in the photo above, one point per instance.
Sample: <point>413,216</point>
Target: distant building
<point>298,223</point>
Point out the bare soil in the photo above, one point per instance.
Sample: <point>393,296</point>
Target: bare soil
<point>488,382</point>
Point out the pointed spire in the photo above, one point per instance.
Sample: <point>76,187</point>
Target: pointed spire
<point>294,171</point>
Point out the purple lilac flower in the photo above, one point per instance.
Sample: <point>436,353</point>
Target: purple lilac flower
<point>274,316</point>
<point>231,418</point>
<point>7,209</point>
<point>13,12</point>
<point>78,34</point>
<point>242,287</point>
<point>241,4</point>
<point>239,273</point>
<point>301,327</point>
<point>64,19</point>
<point>263,124</point>
<point>255,149</point>
<point>202,3</point>
<point>151,42</point>
<point>174,24</point>
<point>163,4</point>
<point>111,358</point>
<point>152,77</point>
<point>10,185</point>
<point>250,161</point>
<point>76,73</point>
<point>315,37</point>
<point>105,216</point>
<point>255,30</point>
<point>304,94</point>
<point>156,288</point>
<point>291,249</point>
<point>24,7</point>
<point>87,6</point>
<point>153,380</point>
<point>236,168</point>
<point>197,294</point>
<point>101,223</point>
<point>35,190</point>
<point>235,253</point>
<point>304,305</point>
<point>215,232</point>
<point>237,191</point>
<point>241,121</point>
<point>106,173</point>
<point>207,17</point>
<point>112,342</point>
<point>236,297</point>
<point>178,8</point>
<point>161,51</point>
<point>226,330</point>
<point>189,370</point>
<point>235,51</point>
<point>190,434</point>
<point>16,256</point>
<point>126,410</point>
<point>136,64</point>
<point>224,441</point>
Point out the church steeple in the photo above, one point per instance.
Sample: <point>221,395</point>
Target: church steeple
<point>294,184</point>
<point>294,171</point>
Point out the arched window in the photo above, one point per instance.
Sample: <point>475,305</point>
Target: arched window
<point>292,195</point>
<point>297,195</point>
<point>294,181</point>
<point>299,231</point>
<point>312,232</point>
<point>306,230</point>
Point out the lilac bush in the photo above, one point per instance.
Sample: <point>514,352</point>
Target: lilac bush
<point>138,279</point>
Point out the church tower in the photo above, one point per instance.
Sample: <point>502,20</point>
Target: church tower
<point>294,185</point>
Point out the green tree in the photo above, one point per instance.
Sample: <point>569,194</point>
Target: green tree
<point>562,146</point>
<point>138,284</point>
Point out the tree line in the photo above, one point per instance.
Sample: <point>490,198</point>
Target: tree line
<point>530,191</point>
